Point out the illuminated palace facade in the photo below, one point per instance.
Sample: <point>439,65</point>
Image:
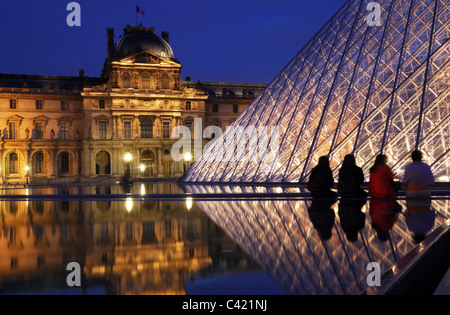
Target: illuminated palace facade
<point>59,128</point>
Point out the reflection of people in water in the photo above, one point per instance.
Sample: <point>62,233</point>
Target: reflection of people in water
<point>351,217</point>
<point>322,216</point>
<point>419,217</point>
<point>384,214</point>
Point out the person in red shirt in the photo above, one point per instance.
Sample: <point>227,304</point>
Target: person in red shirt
<point>381,178</point>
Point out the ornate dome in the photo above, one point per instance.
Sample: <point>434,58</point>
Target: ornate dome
<point>137,39</point>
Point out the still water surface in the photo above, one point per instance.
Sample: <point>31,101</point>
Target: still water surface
<point>127,241</point>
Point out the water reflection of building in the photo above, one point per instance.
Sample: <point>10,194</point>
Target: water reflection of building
<point>281,237</point>
<point>132,247</point>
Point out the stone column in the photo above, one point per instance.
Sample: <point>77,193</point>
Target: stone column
<point>53,172</point>
<point>159,165</point>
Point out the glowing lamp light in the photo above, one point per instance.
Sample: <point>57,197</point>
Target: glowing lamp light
<point>142,167</point>
<point>189,203</point>
<point>129,204</point>
<point>187,156</point>
<point>27,168</point>
<point>143,192</point>
<point>127,157</point>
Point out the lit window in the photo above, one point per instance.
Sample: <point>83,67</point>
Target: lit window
<point>102,129</point>
<point>146,81</point>
<point>165,82</point>
<point>166,130</point>
<point>127,129</point>
<point>126,80</point>
<point>146,128</point>
<point>39,158</point>
<point>13,163</point>
<point>12,130</point>
<point>64,131</point>
<point>38,132</point>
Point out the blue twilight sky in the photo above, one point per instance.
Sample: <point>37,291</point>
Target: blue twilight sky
<point>215,40</point>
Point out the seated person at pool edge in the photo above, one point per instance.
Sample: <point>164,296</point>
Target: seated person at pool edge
<point>321,180</point>
<point>418,177</point>
<point>350,179</point>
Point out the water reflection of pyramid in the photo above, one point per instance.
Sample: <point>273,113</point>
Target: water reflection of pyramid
<point>315,248</point>
<point>353,89</point>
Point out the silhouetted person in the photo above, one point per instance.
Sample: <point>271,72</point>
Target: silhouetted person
<point>351,217</point>
<point>322,216</point>
<point>381,179</point>
<point>418,177</point>
<point>384,214</point>
<point>321,180</point>
<point>350,179</point>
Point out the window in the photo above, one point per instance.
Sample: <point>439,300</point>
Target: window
<point>146,128</point>
<point>12,130</point>
<point>235,108</point>
<point>64,131</point>
<point>101,104</point>
<point>126,80</point>
<point>102,129</point>
<point>146,81</point>
<point>38,131</point>
<point>213,135</point>
<point>64,169</point>
<point>13,163</point>
<point>38,104</point>
<point>13,104</point>
<point>215,108</point>
<point>39,157</point>
<point>188,124</point>
<point>166,129</point>
<point>127,129</point>
<point>165,82</point>
<point>64,105</point>
<point>188,105</point>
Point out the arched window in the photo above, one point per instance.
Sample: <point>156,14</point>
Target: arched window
<point>126,80</point>
<point>64,163</point>
<point>165,82</point>
<point>13,163</point>
<point>146,128</point>
<point>39,163</point>
<point>146,81</point>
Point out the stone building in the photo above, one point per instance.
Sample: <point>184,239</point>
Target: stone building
<point>56,128</point>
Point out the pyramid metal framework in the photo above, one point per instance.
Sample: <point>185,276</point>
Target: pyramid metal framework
<point>353,88</point>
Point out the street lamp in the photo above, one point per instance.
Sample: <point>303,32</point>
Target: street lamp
<point>127,159</point>
<point>187,157</point>
<point>27,169</point>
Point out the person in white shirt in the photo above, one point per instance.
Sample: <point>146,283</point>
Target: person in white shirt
<point>418,177</point>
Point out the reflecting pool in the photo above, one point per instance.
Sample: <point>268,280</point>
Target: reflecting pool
<point>167,239</point>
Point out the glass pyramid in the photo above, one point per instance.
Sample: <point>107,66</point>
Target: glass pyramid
<point>353,88</point>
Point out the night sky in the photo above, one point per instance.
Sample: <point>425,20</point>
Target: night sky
<point>215,40</point>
